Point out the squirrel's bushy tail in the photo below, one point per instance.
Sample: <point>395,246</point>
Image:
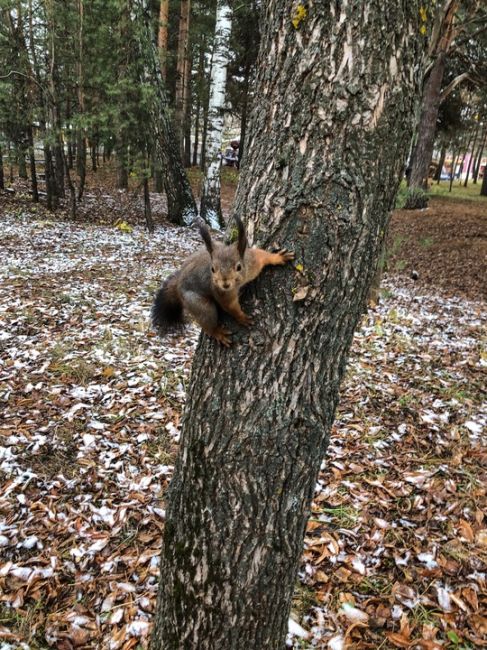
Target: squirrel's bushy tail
<point>167,310</point>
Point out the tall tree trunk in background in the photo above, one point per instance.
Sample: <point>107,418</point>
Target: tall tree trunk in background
<point>470,160</point>
<point>81,137</point>
<point>53,111</point>
<point>52,199</point>
<point>187,104</point>
<point>71,187</point>
<point>33,172</point>
<point>210,208</point>
<point>322,170</point>
<point>181,73</point>
<point>149,223</point>
<point>181,206</point>
<point>194,161</point>
<point>423,150</point>
<point>21,160</point>
<point>454,161</point>
<point>245,105</point>
<point>199,87</point>
<point>426,131</point>
<point>203,137</point>
<point>162,36</point>
<point>480,153</point>
<point>94,156</point>
<point>2,175</point>
<point>122,167</point>
<point>441,162</point>
<point>483,189</point>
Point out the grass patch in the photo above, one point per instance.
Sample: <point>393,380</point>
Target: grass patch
<point>458,193</point>
<point>341,516</point>
<point>77,371</point>
<point>304,599</point>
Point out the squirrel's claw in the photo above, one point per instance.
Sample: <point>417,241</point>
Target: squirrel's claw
<point>287,256</point>
<point>222,335</point>
<point>245,320</point>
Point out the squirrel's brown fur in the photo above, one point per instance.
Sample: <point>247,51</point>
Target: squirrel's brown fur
<point>209,279</point>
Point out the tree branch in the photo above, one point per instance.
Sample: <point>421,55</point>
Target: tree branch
<point>453,84</point>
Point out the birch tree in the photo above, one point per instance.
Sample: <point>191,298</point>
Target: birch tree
<point>210,208</point>
<point>336,90</point>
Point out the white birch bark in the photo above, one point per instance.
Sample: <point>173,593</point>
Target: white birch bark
<point>210,198</point>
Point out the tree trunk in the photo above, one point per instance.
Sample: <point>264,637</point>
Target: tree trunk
<point>181,71</point>
<point>187,103</point>
<point>58,157</point>
<point>122,168</point>
<point>444,32</point>
<point>483,189</point>
<point>71,187</point>
<point>441,162</point>
<point>81,162</point>
<point>51,190</point>
<point>454,162</point>
<point>94,156</point>
<point>203,137</point>
<point>423,149</point>
<point>162,36</point>
<point>478,160</point>
<point>181,206</point>
<point>196,131</point>
<point>81,138</point>
<point>210,208</point>
<point>472,153</point>
<point>149,223</point>
<point>2,176</point>
<point>199,93</point>
<point>335,92</point>
<point>158,180</point>
<point>243,118</point>
<point>21,161</point>
<point>33,172</point>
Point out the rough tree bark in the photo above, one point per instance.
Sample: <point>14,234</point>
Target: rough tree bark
<point>210,208</point>
<point>330,128</point>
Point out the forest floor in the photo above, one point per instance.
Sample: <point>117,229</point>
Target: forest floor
<point>395,553</point>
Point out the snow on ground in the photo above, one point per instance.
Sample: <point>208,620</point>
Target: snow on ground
<point>90,403</point>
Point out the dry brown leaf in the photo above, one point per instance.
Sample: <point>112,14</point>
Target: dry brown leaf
<point>465,530</point>
<point>398,640</point>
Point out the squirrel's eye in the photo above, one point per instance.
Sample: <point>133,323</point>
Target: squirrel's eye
<point>212,269</point>
<point>238,267</point>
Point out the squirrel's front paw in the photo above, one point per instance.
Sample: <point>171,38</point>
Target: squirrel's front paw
<point>222,335</point>
<point>245,320</point>
<point>286,256</point>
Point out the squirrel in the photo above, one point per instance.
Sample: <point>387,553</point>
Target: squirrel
<point>211,279</point>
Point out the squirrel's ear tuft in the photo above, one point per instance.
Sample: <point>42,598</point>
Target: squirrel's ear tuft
<point>242,237</point>
<point>205,234</point>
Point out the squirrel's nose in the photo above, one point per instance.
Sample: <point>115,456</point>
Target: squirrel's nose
<point>226,285</point>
